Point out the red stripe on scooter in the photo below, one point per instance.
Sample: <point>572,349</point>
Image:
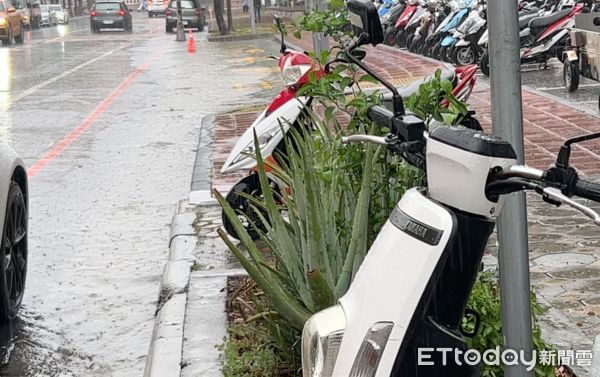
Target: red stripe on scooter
<point>66,141</point>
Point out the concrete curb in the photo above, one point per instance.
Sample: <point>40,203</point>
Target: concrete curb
<point>164,356</point>
<point>243,37</point>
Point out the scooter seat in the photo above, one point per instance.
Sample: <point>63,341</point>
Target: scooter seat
<point>408,90</point>
<point>524,20</point>
<point>539,22</point>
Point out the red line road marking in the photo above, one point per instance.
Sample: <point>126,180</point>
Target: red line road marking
<point>65,142</point>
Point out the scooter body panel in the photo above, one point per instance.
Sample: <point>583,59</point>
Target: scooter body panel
<point>406,16</point>
<point>284,116</point>
<point>533,53</point>
<point>448,41</point>
<point>401,261</point>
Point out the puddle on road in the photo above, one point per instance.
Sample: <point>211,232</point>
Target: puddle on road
<point>33,351</point>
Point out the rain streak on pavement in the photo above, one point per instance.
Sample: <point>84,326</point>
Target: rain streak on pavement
<point>108,125</point>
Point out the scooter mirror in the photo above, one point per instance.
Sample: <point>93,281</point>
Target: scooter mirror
<point>365,19</point>
<point>277,21</point>
<point>279,25</point>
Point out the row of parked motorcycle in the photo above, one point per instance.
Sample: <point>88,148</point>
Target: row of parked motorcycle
<point>455,31</point>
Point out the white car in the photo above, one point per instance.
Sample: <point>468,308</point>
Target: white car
<point>13,217</point>
<point>62,15</point>
<point>48,16</point>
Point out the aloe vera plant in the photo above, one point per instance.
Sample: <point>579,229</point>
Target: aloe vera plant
<point>313,250</point>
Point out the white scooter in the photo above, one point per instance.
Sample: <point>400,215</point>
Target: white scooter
<point>408,297</point>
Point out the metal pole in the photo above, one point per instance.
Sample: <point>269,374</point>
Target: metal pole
<point>507,122</point>
<point>320,41</point>
<point>252,16</point>
<point>180,31</point>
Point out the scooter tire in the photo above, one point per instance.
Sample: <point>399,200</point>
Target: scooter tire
<point>436,52</point>
<point>401,39</point>
<point>571,75</point>
<point>484,64</point>
<point>249,185</point>
<point>461,56</point>
<point>390,36</point>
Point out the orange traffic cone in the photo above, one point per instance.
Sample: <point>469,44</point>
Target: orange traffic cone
<point>191,43</point>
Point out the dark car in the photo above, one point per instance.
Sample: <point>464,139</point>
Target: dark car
<point>191,14</point>
<point>110,15</point>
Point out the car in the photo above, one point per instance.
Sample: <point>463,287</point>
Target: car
<point>23,9</point>
<point>14,202</point>
<point>62,15</point>
<point>110,15</point>
<point>48,16</point>
<point>156,7</point>
<point>11,24</point>
<point>191,13</point>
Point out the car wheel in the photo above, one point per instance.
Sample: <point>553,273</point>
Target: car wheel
<point>571,75</point>
<point>20,38</point>
<point>9,37</point>
<point>13,261</point>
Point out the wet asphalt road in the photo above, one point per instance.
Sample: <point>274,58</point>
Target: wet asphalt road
<point>108,126</point>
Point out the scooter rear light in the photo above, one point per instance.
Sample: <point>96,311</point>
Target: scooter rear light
<point>371,350</point>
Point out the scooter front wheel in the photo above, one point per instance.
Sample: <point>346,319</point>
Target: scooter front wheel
<point>390,36</point>
<point>401,39</point>
<point>464,55</point>
<point>571,75</point>
<point>246,212</point>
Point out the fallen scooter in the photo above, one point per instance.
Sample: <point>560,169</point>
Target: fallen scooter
<point>408,299</point>
<point>288,110</point>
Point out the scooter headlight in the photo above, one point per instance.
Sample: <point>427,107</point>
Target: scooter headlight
<point>291,74</point>
<point>321,341</point>
<point>263,141</point>
<point>371,350</point>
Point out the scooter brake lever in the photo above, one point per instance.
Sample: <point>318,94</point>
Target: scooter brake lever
<point>557,196</point>
<point>272,57</point>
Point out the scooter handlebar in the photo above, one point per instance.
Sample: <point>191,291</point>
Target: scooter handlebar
<point>381,116</point>
<point>588,190</point>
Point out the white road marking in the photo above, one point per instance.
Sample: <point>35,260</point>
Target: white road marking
<point>562,87</point>
<point>51,80</point>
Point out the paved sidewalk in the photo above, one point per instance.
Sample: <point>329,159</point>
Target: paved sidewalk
<point>565,257</point>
